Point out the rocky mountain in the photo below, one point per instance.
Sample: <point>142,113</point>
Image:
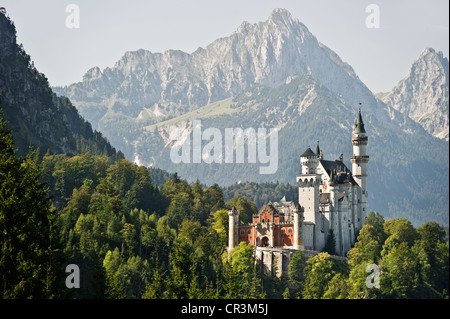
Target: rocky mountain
<point>423,93</point>
<point>271,74</point>
<point>151,86</point>
<point>37,117</point>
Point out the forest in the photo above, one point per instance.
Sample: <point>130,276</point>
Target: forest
<point>132,237</point>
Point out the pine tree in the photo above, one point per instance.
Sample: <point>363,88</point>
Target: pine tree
<point>330,245</point>
<point>28,241</point>
<point>155,289</point>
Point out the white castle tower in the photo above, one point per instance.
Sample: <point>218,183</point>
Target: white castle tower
<point>233,225</point>
<point>359,161</point>
<point>298,229</point>
<point>308,193</point>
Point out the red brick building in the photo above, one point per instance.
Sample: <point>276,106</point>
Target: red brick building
<point>272,226</point>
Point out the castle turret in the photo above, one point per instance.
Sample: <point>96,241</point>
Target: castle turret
<point>319,152</point>
<point>308,193</point>
<point>309,162</point>
<point>298,227</point>
<point>233,224</point>
<point>359,161</point>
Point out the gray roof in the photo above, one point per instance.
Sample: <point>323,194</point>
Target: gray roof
<point>359,124</point>
<point>324,198</point>
<point>336,165</point>
<point>339,171</point>
<point>308,152</point>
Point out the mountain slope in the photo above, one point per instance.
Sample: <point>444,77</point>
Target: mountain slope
<point>151,86</point>
<point>35,114</point>
<point>423,93</point>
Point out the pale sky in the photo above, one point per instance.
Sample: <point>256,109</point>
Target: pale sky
<point>380,56</point>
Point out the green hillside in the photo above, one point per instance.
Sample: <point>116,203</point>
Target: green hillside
<point>36,115</point>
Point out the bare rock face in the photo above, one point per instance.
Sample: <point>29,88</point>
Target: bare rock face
<point>423,93</point>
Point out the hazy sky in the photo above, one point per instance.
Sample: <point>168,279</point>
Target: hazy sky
<point>380,56</point>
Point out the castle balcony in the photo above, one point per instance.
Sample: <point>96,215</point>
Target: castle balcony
<point>359,158</point>
<point>359,140</point>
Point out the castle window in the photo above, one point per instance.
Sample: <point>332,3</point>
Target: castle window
<point>262,221</point>
<point>290,230</point>
<point>249,231</point>
<point>242,232</point>
<point>283,231</point>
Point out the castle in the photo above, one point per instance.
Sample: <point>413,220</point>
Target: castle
<point>330,196</point>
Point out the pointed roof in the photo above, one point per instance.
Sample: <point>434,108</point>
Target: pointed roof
<point>271,208</point>
<point>308,152</point>
<point>317,149</point>
<point>359,124</point>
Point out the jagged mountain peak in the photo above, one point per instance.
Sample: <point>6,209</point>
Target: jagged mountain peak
<point>244,27</point>
<point>432,52</point>
<point>423,94</point>
<point>431,56</point>
<point>279,23</point>
<point>281,16</point>
<point>171,83</point>
<point>427,51</point>
<point>92,74</point>
<point>280,12</point>
<point>266,52</point>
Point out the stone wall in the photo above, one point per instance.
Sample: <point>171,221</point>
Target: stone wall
<point>278,259</point>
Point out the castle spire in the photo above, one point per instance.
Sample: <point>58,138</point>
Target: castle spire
<point>359,124</point>
<point>359,161</point>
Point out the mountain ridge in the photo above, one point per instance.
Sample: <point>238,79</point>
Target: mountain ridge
<point>173,82</point>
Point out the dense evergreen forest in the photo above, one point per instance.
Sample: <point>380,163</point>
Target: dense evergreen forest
<point>134,239</point>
